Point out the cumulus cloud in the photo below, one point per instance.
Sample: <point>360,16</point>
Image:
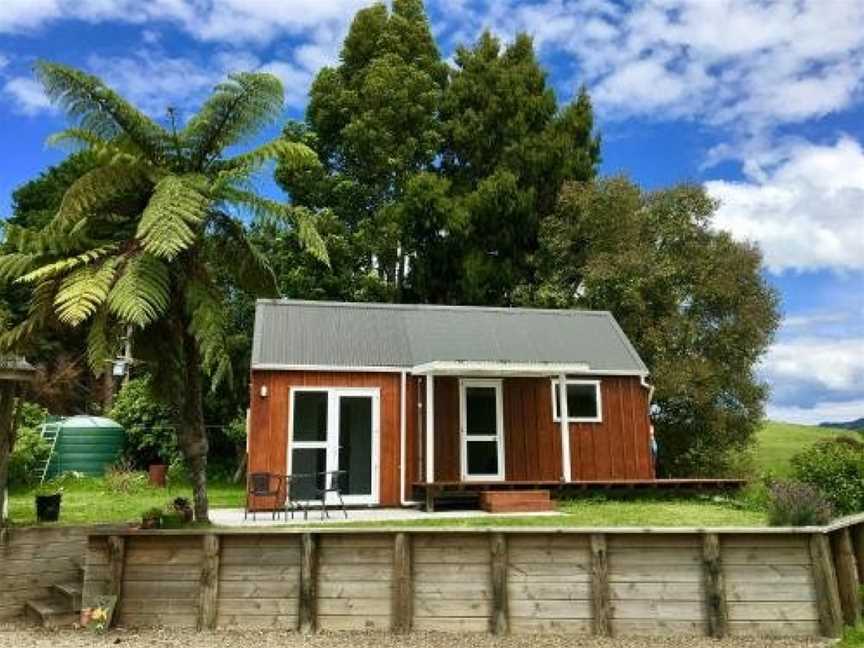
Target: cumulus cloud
<point>805,210</point>
<point>27,96</point>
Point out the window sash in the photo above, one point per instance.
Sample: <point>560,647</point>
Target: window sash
<point>570,417</point>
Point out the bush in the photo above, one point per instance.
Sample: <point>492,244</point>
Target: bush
<point>836,468</point>
<point>30,450</point>
<point>794,503</point>
<point>150,433</point>
<point>123,479</point>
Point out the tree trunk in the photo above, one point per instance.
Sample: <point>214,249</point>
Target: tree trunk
<point>193,434</point>
<point>7,416</point>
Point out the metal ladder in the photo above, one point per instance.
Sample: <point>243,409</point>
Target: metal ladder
<point>50,432</point>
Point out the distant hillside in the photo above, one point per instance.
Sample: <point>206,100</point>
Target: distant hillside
<point>777,442</point>
<point>857,424</point>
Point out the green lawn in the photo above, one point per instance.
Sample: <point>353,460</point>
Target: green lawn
<point>777,442</point>
<point>89,501</point>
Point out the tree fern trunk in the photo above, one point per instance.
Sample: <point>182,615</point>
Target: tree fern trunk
<point>7,415</point>
<point>193,434</point>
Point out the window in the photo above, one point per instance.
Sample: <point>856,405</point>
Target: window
<point>583,401</point>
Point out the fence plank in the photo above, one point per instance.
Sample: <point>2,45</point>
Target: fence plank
<point>827,594</point>
<point>116,562</point>
<point>307,613</point>
<point>499,622</point>
<point>858,542</point>
<point>403,587</point>
<point>602,612</point>
<point>847,576</point>
<point>209,592</point>
<point>715,588</point>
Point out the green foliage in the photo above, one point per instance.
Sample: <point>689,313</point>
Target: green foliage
<point>836,468</point>
<point>693,302</point>
<point>29,453</point>
<point>149,425</point>
<point>123,480</point>
<point>794,503</point>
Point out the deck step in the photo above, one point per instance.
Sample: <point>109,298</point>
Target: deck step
<point>68,593</point>
<point>51,614</point>
<point>516,501</point>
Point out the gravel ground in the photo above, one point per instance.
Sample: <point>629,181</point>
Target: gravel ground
<point>27,637</point>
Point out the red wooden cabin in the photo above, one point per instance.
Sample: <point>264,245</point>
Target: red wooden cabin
<point>414,399</point>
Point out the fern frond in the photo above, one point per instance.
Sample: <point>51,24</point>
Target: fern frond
<point>97,189</point>
<point>100,345</point>
<point>166,226</point>
<point>99,109</point>
<point>38,313</point>
<point>237,109</point>
<point>84,290</point>
<point>63,266</point>
<point>141,293</point>
<point>293,155</point>
<point>250,268</point>
<point>308,234</point>
<point>15,264</point>
<point>208,324</point>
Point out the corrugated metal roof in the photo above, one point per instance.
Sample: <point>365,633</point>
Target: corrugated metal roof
<point>304,333</point>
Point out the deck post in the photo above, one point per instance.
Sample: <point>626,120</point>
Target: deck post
<point>430,433</point>
<point>499,623</point>
<point>403,586</point>
<point>847,576</point>
<point>858,543</point>
<point>564,416</point>
<point>600,595</point>
<point>825,581</point>
<point>307,610</point>
<point>209,593</point>
<point>116,562</point>
<point>715,588</point>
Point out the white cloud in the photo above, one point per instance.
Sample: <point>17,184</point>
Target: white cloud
<point>805,210</point>
<point>821,412</point>
<point>819,364</point>
<point>27,96</point>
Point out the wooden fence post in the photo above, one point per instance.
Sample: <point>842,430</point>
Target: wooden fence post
<point>209,591</point>
<point>827,594</point>
<point>402,606</point>
<point>715,587</point>
<point>847,576</point>
<point>500,621</point>
<point>600,598</point>
<point>307,610</point>
<point>858,543</point>
<point>116,563</point>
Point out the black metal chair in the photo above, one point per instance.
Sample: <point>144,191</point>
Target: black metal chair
<point>263,484</point>
<point>295,500</point>
<point>334,481</point>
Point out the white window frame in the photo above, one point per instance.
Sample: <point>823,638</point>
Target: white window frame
<point>331,444</point>
<point>498,437</point>
<point>578,419</point>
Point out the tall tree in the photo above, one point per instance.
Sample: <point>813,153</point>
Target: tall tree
<point>692,300</point>
<point>136,242</point>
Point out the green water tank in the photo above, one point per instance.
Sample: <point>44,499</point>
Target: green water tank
<point>86,444</point>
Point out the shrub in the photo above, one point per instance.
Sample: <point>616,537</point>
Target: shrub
<point>794,503</point>
<point>123,479</point>
<point>836,468</point>
<point>31,450</point>
<point>150,434</point>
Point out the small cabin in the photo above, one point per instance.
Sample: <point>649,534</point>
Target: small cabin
<point>414,400</point>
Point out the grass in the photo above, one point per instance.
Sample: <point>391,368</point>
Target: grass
<point>777,442</point>
<point>852,638</point>
<point>90,501</point>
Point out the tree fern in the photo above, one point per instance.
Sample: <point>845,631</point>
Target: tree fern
<point>208,325</point>
<point>101,344</point>
<point>83,291</point>
<point>142,291</point>
<point>63,266</point>
<point>15,264</point>
<point>97,189</point>
<point>293,155</point>
<point>168,224</point>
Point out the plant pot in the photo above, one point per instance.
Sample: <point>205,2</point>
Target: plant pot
<point>151,522</point>
<point>48,507</point>
<point>157,474</point>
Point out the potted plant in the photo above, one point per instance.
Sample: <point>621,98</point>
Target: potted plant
<point>183,509</point>
<point>48,497</point>
<point>151,518</point>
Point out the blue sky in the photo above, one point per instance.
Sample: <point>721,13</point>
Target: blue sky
<point>761,101</point>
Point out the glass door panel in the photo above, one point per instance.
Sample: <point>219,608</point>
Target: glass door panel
<point>481,419</point>
<point>355,444</point>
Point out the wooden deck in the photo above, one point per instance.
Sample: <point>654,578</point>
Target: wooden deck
<point>428,491</point>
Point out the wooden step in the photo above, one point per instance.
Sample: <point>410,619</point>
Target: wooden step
<point>516,501</point>
<point>51,614</point>
<point>68,594</point>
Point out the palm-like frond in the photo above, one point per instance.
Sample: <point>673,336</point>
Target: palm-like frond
<point>84,290</point>
<point>40,310</point>
<point>294,155</point>
<point>15,264</point>
<point>100,346</point>
<point>97,189</point>
<point>142,292</point>
<point>168,224</point>
<point>249,268</point>
<point>99,109</point>
<point>63,266</point>
<point>208,324</point>
<point>237,109</point>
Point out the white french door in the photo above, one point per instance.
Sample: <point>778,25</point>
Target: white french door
<point>481,425</point>
<point>335,428</point>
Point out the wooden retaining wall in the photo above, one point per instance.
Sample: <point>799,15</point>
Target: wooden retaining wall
<point>718,582</point>
<point>33,559</point>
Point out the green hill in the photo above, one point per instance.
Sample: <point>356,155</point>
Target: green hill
<point>777,442</point>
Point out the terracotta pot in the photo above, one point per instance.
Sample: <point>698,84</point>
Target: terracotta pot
<point>157,474</point>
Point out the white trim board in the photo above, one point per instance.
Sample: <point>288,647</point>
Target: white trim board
<point>579,419</point>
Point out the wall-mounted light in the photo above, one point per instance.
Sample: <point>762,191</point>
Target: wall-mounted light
<point>263,391</point>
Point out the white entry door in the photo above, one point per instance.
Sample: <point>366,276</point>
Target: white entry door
<point>481,415</point>
<point>335,429</point>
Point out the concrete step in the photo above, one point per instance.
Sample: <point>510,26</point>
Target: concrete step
<point>68,594</point>
<point>51,614</point>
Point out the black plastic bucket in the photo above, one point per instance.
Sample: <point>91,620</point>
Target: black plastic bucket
<point>48,507</point>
